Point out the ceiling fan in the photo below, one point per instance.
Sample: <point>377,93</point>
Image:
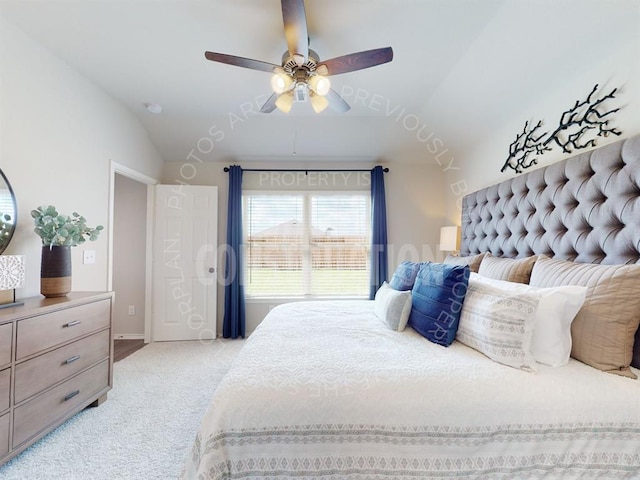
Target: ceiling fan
<point>301,75</point>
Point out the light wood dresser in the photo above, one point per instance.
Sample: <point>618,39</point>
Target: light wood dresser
<point>56,358</point>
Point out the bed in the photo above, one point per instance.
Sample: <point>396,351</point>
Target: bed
<point>326,390</point>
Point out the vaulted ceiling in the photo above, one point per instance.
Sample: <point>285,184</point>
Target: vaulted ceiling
<point>460,67</point>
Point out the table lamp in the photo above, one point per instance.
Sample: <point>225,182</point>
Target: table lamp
<point>450,239</point>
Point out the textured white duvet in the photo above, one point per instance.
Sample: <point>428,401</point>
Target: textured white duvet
<point>326,390</point>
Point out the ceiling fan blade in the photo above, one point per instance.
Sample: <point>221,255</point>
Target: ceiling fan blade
<point>337,102</point>
<point>356,61</point>
<point>270,105</point>
<point>241,61</point>
<point>295,29</point>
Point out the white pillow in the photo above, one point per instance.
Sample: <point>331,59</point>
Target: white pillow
<point>393,306</point>
<point>558,306</point>
<point>499,323</point>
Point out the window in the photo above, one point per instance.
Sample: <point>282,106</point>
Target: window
<point>306,244</point>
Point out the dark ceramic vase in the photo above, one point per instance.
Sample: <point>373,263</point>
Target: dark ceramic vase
<point>55,271</point>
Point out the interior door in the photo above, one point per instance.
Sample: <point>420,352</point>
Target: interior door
<point>184,266</point>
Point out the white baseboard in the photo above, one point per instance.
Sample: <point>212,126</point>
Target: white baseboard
<point>128,336</point>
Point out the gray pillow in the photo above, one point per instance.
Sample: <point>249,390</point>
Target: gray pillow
<point>393,306</point>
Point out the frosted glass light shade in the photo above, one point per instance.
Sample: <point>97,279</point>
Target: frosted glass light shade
<point>320,84</point>
<point>285,102</point>
<point>450,238</point>
<point>318,103</point>
<point>280,82</point>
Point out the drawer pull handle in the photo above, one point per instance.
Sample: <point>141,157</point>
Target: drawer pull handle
<point>71,324</point>
<point>72,359</point>
<point>71,395</point>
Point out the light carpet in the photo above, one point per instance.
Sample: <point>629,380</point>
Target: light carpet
<point>146,427</point>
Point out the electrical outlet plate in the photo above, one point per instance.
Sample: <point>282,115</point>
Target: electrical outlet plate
<point>89,256</point>
<point>132,309</point>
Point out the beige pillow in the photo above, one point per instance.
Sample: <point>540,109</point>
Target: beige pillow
<point>473,261</point>
<point>604,328</point>
<point>507,269</point>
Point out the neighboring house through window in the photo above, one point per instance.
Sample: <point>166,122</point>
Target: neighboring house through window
<point>307,244</point>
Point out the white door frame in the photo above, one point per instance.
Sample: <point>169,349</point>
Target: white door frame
<point>117,168</point>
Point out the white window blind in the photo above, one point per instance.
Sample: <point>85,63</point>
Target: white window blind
<point>306,244</point>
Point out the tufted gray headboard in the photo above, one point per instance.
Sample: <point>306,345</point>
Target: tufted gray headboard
<point>584,209</point>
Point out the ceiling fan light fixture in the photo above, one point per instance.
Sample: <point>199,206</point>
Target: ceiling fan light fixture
<point>319,103</point>
<point>285,102</point>
<point>300,75</point>
<point>319,84</point>
<point>322,70</point>
<point>280,82</point>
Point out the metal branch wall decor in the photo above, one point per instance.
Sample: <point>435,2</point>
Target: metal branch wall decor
<point>579,127</point>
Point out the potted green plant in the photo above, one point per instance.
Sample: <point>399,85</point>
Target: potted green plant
<point>59,233</point>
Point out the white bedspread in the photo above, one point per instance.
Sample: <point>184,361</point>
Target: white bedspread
<point>325,390</point>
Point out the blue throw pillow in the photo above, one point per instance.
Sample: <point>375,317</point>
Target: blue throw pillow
<point>437,296</point>
<point>404,276</point>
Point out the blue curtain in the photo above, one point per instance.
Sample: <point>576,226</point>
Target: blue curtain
<point>378,232</point>
<point>234,311</point>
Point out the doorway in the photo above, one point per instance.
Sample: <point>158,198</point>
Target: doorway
<point>130,262</point>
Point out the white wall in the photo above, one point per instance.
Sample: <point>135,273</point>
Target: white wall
<point>58,132</point>
<point>415,211</point>
<point>480,166</point>
<point>129,257</point>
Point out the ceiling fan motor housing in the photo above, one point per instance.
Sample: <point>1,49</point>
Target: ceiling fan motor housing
<point>300,74</point>
<point>290,66</point>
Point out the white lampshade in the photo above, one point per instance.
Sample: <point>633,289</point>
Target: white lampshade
<point>450,238</point>
<point>319,84</point>
<point>285,102</point>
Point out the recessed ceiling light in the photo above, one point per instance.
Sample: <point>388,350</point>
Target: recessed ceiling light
<point>153,108</point>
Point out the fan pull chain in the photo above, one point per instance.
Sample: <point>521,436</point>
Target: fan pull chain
<point>295,138</point>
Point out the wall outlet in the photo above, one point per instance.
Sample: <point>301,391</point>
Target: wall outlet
<point>89,256</point>
<point>132,309</point>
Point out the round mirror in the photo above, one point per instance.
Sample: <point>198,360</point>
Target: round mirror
<point>8,212</point>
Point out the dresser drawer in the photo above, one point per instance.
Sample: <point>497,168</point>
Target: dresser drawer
<point>41,372</point>
<point>35,415</point>
<point>4,434</point>
<point>44,331</point>
<point>6,334</point>
<point>5,388</point>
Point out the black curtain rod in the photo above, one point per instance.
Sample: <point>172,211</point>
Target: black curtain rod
<point>306,170</point>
